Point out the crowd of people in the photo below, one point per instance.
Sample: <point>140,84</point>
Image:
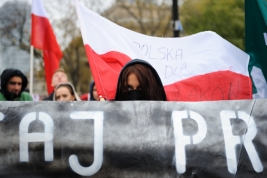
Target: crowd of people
<point>138,80</point>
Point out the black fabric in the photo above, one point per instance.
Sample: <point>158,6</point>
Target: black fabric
<point>138,138</point>
<point>50,97</point>
<point>91,89</point>
<point>134,95</point>
<point>6,75</point>
<point>139,61</point>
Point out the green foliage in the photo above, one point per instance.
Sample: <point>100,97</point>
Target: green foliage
<point>225,17</point>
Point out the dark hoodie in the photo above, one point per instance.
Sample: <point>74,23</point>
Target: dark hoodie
<point>6,75</point>
<point>139,61</point>
<point>91,91</point>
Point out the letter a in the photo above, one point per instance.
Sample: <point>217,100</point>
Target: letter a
<point>98,145</point>
<point>46,137</point>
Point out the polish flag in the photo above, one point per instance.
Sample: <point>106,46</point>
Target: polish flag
<point>200,67</point>
<point>43,38</point>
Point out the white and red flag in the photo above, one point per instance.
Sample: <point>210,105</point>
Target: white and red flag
<point>200,67</point>
<point>43,38</point>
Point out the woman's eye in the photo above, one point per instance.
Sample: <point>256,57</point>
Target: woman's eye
<point>139,88</point>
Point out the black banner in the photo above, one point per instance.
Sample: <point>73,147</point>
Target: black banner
<point>133,139</point>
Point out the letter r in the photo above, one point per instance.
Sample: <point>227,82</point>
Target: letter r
<point>231,141</point>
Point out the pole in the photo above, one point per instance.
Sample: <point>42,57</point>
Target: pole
<point>175,18</point>
<point>31,70</point>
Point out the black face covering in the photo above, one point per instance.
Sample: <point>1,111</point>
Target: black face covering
<point>134,95</point>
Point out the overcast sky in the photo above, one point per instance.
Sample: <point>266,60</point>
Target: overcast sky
<point>3,1</point>
<point>53,13</point>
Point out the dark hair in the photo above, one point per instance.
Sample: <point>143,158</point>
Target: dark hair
<point>91,89</point>
<point>150,83</point>
<point>7,74</point>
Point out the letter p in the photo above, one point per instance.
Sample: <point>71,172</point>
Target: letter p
<point>181,140</point>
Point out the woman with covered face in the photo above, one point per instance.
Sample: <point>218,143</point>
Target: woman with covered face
<point>65,92</point>
<point>138,80</point>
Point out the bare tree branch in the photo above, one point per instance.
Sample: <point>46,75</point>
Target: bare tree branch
<point>145,16</point>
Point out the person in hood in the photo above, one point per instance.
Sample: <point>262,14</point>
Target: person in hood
<point>93,92</point>
<point>65,92</point>
<point>138,80</point>
<point>13,84</point>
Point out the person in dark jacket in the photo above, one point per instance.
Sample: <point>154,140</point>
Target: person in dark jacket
<point>93,92</point>
<point>138,80</point>
<point>13,84</point>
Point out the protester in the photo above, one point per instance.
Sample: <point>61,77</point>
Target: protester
<point>138,80</point>
<point>65,92</point>
<point>58,77</point>
<point>13,84</point>
<point>93,92</point>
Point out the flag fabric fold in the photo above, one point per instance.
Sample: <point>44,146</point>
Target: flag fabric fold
<point>200,67</point>
<point>43,38</point>
<point>256,44</point>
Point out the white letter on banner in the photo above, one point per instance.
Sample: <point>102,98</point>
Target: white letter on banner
<point>97,116</point>
<point>46,137</point>
<point>231,141</point>
<point>181,140</point>
<point>2,116</point>
<point>265,38</point>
